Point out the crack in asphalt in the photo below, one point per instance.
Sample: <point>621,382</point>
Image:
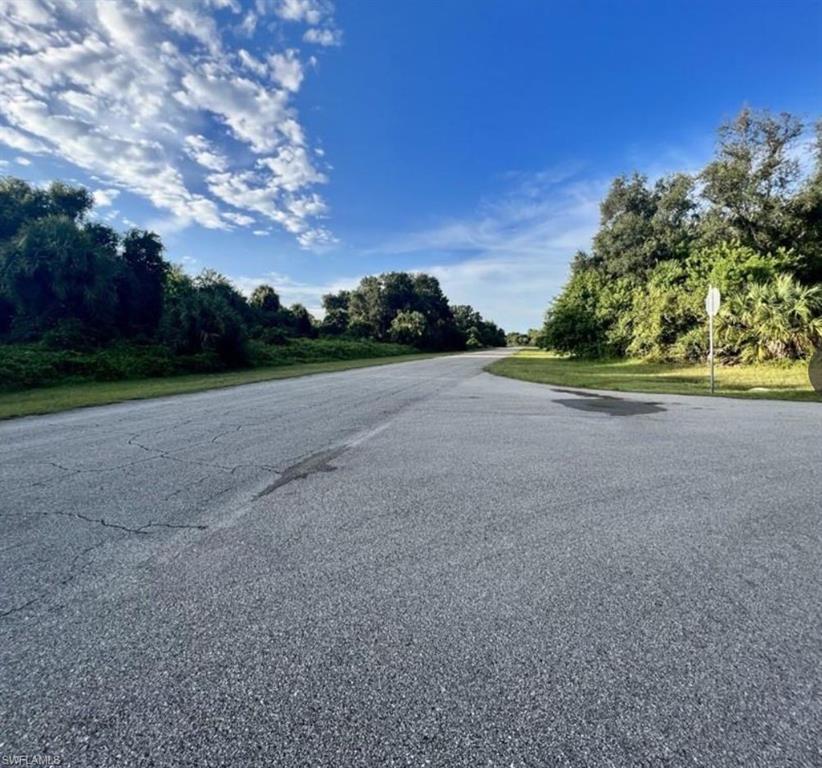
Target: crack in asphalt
<point>320,461</point>
<point>314,463</point>
<point>73,573</point>
<point>163,454</point>
<point>143,529</point>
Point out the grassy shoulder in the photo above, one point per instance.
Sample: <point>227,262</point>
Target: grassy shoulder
<point>764,381</point>
<point>35,379</point>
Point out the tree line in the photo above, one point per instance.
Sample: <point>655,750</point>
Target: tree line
<point>518,339</point>
<point>69,281</point>
<point>750,223</point>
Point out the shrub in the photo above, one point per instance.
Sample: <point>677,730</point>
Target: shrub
<point>777,320</point>
<point>573,324</point>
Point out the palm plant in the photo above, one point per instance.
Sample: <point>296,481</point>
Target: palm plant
<point>777,320</point>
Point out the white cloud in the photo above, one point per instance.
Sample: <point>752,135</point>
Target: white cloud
<point>286,69</point>
<point>200,149</point>
<point>105,197</point>
<point>309,11</point>
<point>292,170</point>
<point>248,24</point>
<point>260,232</point>
<point>22,161</point>
<point>257,116</point>
<point>127,89</point>
<point>326,37</point>
<point>252,63</point>
<point>240,219</point>
<point>20,141</point>
<point>312,12</point>
<point>275,194</point>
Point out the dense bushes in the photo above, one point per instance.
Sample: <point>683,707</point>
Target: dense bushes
<point>34,365</point>
<point>205,315</point>
<point>80,302</point>
<point>320,350</point>
<point>750,224</point>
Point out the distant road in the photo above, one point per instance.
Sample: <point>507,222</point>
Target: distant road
<point>414,564</point>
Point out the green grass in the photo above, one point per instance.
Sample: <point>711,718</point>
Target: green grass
<point>84,394</point>
<point>771,381</point>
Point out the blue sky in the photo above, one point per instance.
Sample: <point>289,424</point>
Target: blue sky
<point>305,143</point>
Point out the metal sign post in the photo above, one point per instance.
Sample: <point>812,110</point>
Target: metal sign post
<point>711,353</point>
<point>712,307</point>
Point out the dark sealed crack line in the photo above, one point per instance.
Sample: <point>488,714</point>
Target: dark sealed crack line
<point>162,454</point>
<point>60,466</point>
<point>22,607</point>
<point>100,521</point>
<point>73,573</point>
<point>190,526</point>
<point>142,530</point>
<point>73,472</point>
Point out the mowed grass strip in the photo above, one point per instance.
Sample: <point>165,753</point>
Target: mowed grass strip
<point>84,394</point>
<point>764,381</point>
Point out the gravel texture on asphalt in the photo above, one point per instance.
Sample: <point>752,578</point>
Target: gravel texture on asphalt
<point>417,564</point>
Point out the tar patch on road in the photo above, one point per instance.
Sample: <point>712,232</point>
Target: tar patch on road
<point>613,406</point>
<point>316,462</point>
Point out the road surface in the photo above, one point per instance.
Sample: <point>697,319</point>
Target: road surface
<point>416,564</point>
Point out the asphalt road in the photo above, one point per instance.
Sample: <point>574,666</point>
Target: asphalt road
<point>417,564</point>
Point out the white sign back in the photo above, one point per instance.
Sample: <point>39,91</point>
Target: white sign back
<point>712,302</point>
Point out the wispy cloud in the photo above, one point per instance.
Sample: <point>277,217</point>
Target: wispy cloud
<point>507,260</point>
<point>131,91</point>
<point>103,198</point>
<point>293,291</point>
<point>511,256</point>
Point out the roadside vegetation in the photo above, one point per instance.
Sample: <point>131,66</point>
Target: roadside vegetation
<point>517,339</point>
<point>81,303</point>
<point>24,366</point>
<point>749,223</point>
<point>81,394</point>
<point>632,315</point>
<point>782,381</point>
